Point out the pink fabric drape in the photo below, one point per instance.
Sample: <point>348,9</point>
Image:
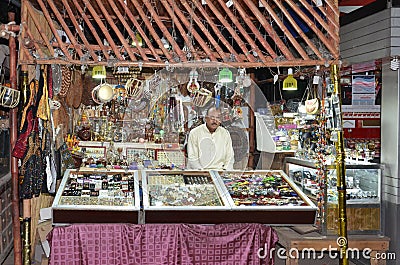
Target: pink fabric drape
<point>153,244</point>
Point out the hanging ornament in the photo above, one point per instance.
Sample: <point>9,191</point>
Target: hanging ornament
<point>217,89</point>
<point>193,85</point>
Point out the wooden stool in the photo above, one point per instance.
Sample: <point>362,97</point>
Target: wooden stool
<point>291,240</point>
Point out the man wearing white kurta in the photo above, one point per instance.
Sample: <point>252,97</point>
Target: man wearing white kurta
<point>210,145</point>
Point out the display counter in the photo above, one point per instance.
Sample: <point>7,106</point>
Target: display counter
<point>97,196</point>
<point>180,196</point>
<point>363,189</point>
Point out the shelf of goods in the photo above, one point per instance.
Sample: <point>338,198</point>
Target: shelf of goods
<point>97,196</point>
<point>137,154</point>
<point>273,143</point>
<point>363,189</point>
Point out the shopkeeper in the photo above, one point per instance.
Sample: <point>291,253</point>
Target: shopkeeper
<point>210,145</point>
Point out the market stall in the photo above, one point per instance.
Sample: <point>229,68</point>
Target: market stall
<point>116,86</point>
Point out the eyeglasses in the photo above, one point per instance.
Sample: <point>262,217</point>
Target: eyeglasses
<point>215,118</point>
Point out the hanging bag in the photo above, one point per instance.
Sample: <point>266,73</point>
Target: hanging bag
<point>312,103</point>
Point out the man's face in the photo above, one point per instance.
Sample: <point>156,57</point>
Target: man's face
<point>213,120</point>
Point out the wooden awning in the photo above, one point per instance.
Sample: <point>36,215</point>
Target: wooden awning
<point>150,33</point>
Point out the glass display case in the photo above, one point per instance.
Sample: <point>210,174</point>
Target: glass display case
<point>363,189</point>
<point>97,196</point>
<point>266,197</point>
<point>183,196</point>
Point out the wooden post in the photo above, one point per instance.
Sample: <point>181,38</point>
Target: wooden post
<point>14,160</point>
<point>252,143</point>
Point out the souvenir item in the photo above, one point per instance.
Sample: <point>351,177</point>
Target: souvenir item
<point>201,97</point>
<point>193,85</point>
<point>312,104</point>
<point>56,78</point>
<point>66,76</point>
<point>87,87</point>
<point>9,97</point>
<point>78,84</point>
<point>134,88</point>
<point>102,93</point>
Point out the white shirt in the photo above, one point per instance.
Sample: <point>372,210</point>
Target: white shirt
<point>210,150</point>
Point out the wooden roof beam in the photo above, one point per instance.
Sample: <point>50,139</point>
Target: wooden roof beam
<point>127,28</point>
<point>319,19</point>
<point>151,29</point>
<point>165,31</point>
<point>233,33</point>
<point>182,31</point>
<point>65,27</point>
<point>139,29</point>
<point>285,30</point>
<point>33,15</point>
<point>92,29</point>
<point>266,25</point>
<point>216,29</point>
<point>103,28</point>
<point>334,51</point>
<point>30,36</point>
<point>236,22</point>
<point>296,62</point>
<point>54,30</point>
<point>78,29</point>
<point>117,32</point>
<point>298,29</point>
<point>333,4</point>
<point>255,31</point>
<point>203,29</point>
<point>196,35</point>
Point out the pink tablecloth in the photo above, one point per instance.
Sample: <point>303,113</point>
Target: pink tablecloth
<point>153,244</point>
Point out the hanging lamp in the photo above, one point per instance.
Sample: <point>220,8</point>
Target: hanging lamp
<point>225,76</point>
<point>138,41</point>
<point>290,83</point>
<point>99,71</point>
